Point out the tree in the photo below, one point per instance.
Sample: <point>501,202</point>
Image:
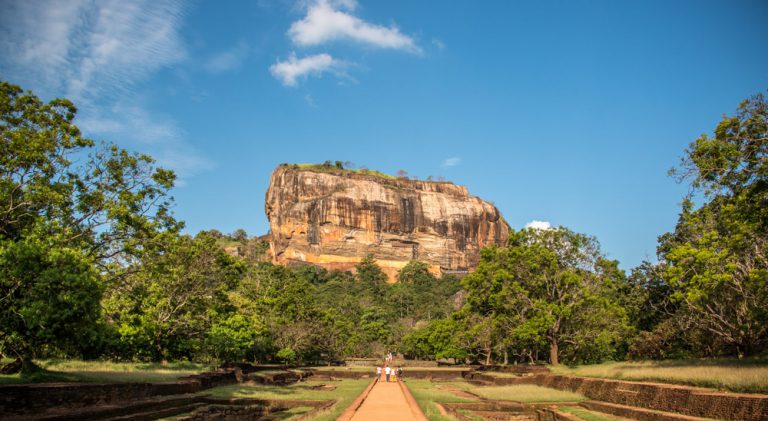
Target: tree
<point>72,214</point>
<point>420,295</point>
<point>239,235</point>
<point>166,308</point>
<point>372,279</point>
<point>569,292</point>
<point>717,259</point>
<point>547,286</point>
<point>439,339</point>
<point>492,296</point>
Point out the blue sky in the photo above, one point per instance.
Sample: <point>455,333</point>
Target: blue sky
<point>569,112</point>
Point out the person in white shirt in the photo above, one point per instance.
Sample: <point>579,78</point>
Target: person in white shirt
<point>378,371</point>
<point>387,371</point>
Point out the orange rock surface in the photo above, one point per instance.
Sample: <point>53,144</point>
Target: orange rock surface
<point>334,218</point>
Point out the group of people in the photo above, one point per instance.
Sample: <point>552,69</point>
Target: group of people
<point>389,370</point>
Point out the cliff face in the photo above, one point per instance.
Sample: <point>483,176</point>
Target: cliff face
<point>335,218</point>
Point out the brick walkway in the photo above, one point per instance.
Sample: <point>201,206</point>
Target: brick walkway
<point>387,402</point>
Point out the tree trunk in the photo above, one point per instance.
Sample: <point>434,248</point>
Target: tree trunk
<point>553,359</point>
<point>506,357</point>
<point>488,356</point>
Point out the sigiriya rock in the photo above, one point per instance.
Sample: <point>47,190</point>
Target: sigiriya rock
<point>333,218</point>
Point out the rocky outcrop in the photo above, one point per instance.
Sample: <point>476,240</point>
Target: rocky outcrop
<point>334,218</point>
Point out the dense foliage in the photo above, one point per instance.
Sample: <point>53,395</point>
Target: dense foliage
<point>716,260</point>
<point>92,264</point>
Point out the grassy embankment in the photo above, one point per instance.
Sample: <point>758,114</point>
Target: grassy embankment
<point>745,376</point>
<point>427,393</point>
<point>100,371</point>
<point>346,391</point>
<point>587,415</point>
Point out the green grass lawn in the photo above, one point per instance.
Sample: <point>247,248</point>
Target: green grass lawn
<point>426,394</point>
<point>585,414</point>
<point>102,371</point>
<point>356,369</point>
<point>346,391</point>
<point>521,393</point>
<point>747,375</point>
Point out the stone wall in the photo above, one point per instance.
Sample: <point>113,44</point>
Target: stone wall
<point>697,402</point>
<point>36,398</point>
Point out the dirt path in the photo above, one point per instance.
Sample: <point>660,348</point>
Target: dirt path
<point>387,401</point>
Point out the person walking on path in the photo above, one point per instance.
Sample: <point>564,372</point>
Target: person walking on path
<point>387,371</point>
<point>378,372</point>
<point>400,373</point>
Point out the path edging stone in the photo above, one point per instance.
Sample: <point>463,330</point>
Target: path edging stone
<point>418,414</point>
<point>352,408</point>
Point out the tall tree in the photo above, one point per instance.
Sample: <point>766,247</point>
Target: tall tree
<point>166,308</point>
<point>548,286</point>
<point>717,257</point>
<point>70,213</point>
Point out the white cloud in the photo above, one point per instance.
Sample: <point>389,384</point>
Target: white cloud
<point>290,70</point>
<point>324,23</point>
<point>539,225</point>
<point>439,44</point>
<point>451,162</point>
<point>228,60</point>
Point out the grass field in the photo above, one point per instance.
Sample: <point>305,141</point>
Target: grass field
<point>346,391</point>
<point>354,369</point>
<point>426,394</point>
<point>748,375</point>
<point>521,393</point>
<point>101,371</point>
<point>585,414</point>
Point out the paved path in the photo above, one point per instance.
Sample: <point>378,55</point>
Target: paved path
<point>387,402</point>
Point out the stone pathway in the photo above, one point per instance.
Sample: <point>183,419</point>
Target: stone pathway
<point>387,402</point>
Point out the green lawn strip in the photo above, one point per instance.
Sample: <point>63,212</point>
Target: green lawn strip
<point>346,391</point>
<point>426,394</point>
<point>291,413</point>
<point>528,393</point>
<point>585,414</point>
<point>745,376</point>
<point>104,371</point>
<point>500,374</point>
<point>371,369</point>
<point>470,415</point>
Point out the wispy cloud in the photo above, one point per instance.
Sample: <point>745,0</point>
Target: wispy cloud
<point>95,53</point>
<point>84,49</point>
<point>327,22</point>
<point>292,69</point>
<point>310,101</point>
<point>451,162</point>
<point>539,225</point>
<point>439,44</point>
<point>151,133</point>
<point>228,60</point>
